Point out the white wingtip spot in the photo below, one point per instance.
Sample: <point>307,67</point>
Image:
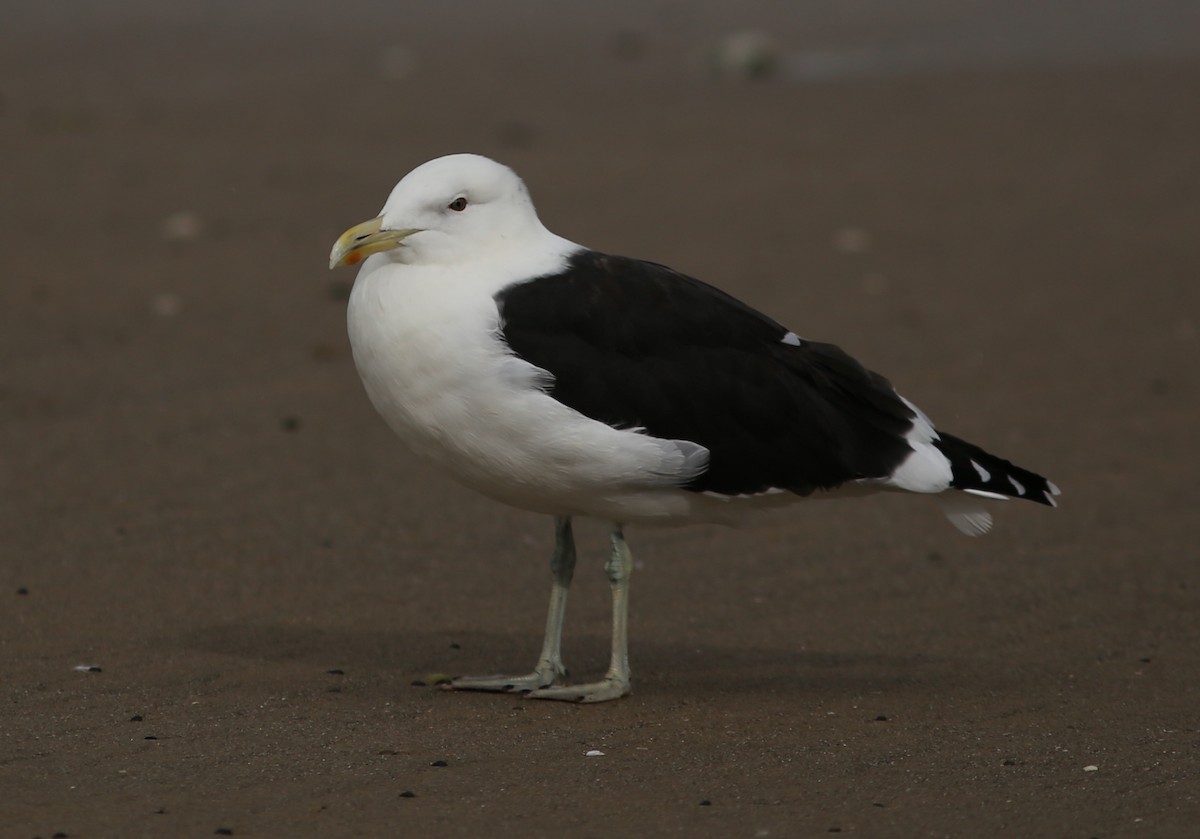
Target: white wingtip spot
<point>1051,491</point>
<point>1016,485</point>
<point>984,475</point>
<point>791,339</point>
<point>983,493</point>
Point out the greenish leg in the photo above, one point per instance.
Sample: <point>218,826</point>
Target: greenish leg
<point>549,668</point>
<point>616,682</point>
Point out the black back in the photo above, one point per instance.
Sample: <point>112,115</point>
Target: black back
<point>637,345</point>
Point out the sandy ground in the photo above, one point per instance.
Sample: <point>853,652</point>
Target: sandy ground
<point>198,500</point>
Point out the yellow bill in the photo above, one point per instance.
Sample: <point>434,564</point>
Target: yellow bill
<point>362,240</point>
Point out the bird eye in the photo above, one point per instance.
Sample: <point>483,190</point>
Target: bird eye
<point>458,204</point>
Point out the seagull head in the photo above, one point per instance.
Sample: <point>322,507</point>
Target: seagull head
<point>451,210</point>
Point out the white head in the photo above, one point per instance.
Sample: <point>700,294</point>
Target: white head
<point>451,210</point>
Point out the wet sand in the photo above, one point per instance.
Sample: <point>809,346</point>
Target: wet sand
<point>198,500</point>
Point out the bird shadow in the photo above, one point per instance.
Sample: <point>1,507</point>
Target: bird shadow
<point>698,670</point>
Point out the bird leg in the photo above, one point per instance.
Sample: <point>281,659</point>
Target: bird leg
<point>549,667</point>
<point>616,682</point>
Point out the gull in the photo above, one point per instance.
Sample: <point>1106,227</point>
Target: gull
<point>570,382</point>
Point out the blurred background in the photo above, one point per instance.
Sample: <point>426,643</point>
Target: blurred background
<point>996,204</point>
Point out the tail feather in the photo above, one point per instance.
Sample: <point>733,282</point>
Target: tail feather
<point>966,513</point>
<point>975,471</point>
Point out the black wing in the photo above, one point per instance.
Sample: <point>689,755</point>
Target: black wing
<point>637,345</point>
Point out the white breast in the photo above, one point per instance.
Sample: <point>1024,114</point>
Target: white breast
<point>426,343</point>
